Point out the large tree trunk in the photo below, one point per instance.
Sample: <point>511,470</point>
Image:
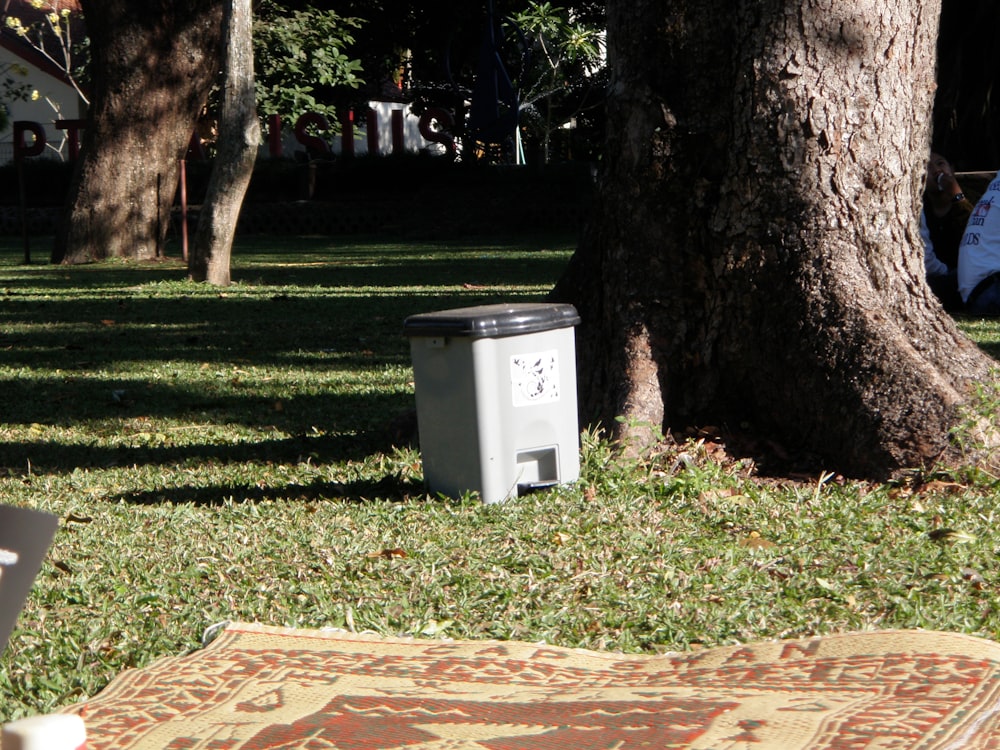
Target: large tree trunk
<point>754,260</point>
<point>153,63</point>
<point>239,137</point>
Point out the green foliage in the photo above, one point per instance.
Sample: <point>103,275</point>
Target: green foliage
<point>51,35</point>
<point>976,433</point>
<point>562,74</point>
<point>301,59</point>
<point>560,40</point>
<point>11,90</point>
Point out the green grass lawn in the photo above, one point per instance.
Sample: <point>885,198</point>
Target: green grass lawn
<point>228,454</point>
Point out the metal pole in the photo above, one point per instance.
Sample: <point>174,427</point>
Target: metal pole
<point>184,211</point>
<point>23,199</point>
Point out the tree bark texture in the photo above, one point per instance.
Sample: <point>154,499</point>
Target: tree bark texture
<point>239,138</point>
<point>152,65</point>
<point>753,260</point>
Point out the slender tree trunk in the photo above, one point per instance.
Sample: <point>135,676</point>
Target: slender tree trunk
<point>239,137</point>
<point>153,63</point>
<point>754,260</point>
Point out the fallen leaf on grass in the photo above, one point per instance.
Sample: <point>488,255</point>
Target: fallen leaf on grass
<point>756,541</point>
<point>388,554</point>
<point>561,538</point>
<point>720,493</point>
<point>710,563</point>
<point>435,628</point>
<point>940,486</point>
<point>974,577</point>
<point>951,535</point>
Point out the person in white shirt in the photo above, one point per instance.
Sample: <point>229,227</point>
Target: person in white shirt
<point>979,256</point>
<point>946,209</point>
<point>943,216</point>
<point>942,280</point>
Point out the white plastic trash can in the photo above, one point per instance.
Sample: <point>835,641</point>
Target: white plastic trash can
<point>496,398</point>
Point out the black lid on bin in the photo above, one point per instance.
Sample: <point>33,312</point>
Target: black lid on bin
<point>493,321</point>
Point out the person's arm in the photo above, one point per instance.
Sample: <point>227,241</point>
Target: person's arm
<point>932,265</point>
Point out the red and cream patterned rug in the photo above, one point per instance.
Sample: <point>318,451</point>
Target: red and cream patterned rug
<point>260,688</point>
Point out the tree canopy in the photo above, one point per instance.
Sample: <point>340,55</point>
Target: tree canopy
<point>303,58</point>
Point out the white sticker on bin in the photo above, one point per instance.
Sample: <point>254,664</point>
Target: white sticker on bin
<point>534,377</point>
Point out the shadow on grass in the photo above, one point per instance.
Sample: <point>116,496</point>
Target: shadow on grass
<point>89,323</point>
<point>391,488</point>
<point>90,334</point>
<point>268,265</point>
<point>133,407</point>
<point>52,457</point>
<point>309,342</point>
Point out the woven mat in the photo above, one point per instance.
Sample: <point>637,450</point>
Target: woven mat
<point>266,688</point>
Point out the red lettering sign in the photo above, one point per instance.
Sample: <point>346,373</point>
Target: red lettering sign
<point>37,146</point>
<point>312,142</point>
<point>72,128</point>
<point>445,121</point>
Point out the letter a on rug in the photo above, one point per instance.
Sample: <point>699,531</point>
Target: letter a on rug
<point>262,688</point>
